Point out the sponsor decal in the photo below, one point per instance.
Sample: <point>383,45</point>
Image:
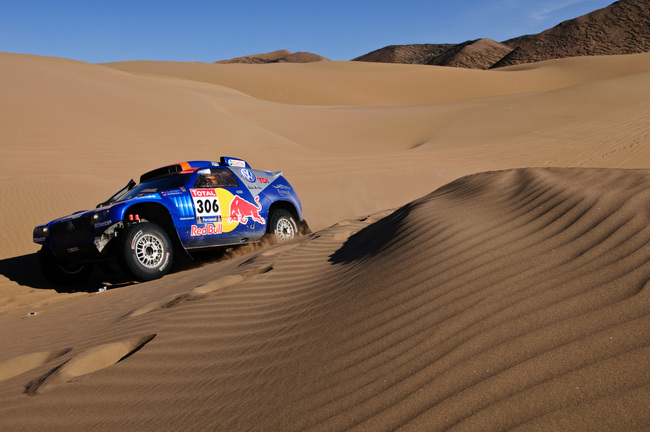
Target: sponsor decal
<point>135,239</point>
<point>282,190</point>
<point>172,192</point>
<point>206,203</point>
<point>240,210</point>
<point>203,193</point>
<point>209,229</point>
<point>262,180</point>
<point>249,176</point>
<point>210,219</point>
<point>230,211</point>
<point>236,163</point>
<point>103,224</point>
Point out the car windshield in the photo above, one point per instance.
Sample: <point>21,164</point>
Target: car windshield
<point>158,185</point>
<point>118,195</point>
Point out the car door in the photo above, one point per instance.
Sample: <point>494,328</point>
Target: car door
<point>225,211</point>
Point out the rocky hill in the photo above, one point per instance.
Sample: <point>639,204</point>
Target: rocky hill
<point>478,54</point>
<point>280,56</point>
<point>408,54</point>
<point>621,28</point>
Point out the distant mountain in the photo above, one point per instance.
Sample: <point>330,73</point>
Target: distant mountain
<point>478,54</point>
<point>621,28</point>
<point>281,56</point>
<point>408,54</point>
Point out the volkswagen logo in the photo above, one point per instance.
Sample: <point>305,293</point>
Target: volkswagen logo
<point>249,176</point>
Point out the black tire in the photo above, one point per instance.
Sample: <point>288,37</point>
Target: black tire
<point>145,251</point>
<point>282,226</point>
<point>62,272</point>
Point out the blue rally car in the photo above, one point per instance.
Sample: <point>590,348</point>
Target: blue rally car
<point>174,210</point>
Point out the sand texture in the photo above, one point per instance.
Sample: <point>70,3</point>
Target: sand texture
<point>479,257</point>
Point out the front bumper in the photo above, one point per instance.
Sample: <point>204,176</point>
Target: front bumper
<point>78,239</point>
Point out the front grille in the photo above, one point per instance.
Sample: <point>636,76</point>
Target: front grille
<point>71,232</point>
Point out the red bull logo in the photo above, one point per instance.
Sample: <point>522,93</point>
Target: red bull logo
<point>206,230</point>
<point>241,210</point>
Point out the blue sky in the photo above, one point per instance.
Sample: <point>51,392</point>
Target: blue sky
<point>206,31</point>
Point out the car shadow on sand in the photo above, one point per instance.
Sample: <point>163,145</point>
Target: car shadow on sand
<point>24,270</point>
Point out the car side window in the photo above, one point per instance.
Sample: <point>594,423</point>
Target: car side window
<point>217,178</point>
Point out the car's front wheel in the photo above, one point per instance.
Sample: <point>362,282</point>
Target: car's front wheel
<point>62,272</point>
<point>282,225</point>
<point>145,251</point>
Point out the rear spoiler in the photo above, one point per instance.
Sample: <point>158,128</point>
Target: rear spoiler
<point>229,161</point>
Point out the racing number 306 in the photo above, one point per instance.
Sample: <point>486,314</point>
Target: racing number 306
<point>206,206</point>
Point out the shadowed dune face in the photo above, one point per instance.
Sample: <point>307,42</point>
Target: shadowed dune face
<point>502,300</point>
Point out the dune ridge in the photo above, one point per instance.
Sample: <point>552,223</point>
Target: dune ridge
<point>504,300</point>
<point>517,285</point>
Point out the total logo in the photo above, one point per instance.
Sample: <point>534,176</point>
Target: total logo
<point>203,193</point>
<point>249,176</point>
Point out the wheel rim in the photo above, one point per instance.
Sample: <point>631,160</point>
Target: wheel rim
<point>149,251</point>
<point>285,230</point>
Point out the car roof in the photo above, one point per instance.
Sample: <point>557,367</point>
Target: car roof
<point>190,166</point>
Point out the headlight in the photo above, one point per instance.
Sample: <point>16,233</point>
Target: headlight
<point>101,216</point>
<point>40,231</point>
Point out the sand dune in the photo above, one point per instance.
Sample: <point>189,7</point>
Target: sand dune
<point>508,299</point>
<point>503,300</point>
<point>352,83</point>
<point>80,121</point>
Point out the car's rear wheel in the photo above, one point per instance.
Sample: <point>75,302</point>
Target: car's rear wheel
<point>145,251</point>
<point>62,272</point>
<point>282,225</point>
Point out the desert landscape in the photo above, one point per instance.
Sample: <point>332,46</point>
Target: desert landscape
<point>479,256</point>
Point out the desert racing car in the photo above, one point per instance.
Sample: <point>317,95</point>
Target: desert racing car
<point>173,210</point>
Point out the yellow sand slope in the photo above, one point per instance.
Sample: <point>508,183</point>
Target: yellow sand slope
<point>503,300</point>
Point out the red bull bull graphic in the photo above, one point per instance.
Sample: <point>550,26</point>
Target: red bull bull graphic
<point>241,210</point>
